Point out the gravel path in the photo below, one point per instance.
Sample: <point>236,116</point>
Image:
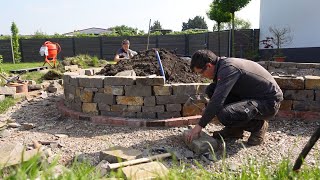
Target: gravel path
<point>284,139</point>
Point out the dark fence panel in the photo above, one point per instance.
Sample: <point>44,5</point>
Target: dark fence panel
<point>30,49</point>
<point>139,43</point>
<point>110,45</point>
<point>5,50</point>
<point>224,42</point>
<point>173,42</point>
<point>197,41</point>
<point>90,46</point>
<point>243,42</point>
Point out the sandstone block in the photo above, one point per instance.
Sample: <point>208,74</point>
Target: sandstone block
<point>191,109</point>
<point>119,80</point>
<point>185,89</point>
<point>306,105</point>
<point>91,81</point>
<point>114,90</point>
<point>300,95</point>
<point>119,108</point>
<point>173,99</point>
<point>164,90</point>
<point>134,108</point>
<point>104,98</point>
<point>119,154</point>
<point>2,97</point>
<point>86,96</point>
<point>158,108</point>
<point>312,82</point>
<point>286,105</point>
<point>173,107</point>
<point>136,90</point>
<point>103,107</point>
<point>286,83</point>
<point>317,92</point>
<point>90,108</point>
<point>200,145</point>
<point>151,170</point>
<point>5,90</point>
<point>150,81</point>
<point>130,100</point>
<point>149,101</point>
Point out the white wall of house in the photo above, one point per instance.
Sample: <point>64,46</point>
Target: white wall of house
<point>301,16</point>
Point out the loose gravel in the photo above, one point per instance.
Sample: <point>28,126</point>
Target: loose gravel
<point>68,137</point>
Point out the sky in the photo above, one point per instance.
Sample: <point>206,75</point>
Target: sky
<point>62,16</point>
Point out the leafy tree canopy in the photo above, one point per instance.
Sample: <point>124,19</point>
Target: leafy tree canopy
<point>238,24</point>
<point>156,26</point>
<point>197,22</point>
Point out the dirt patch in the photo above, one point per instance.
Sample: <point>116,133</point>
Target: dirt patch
<point>145,63</point>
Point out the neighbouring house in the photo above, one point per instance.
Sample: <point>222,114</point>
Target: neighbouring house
<point>301,17</point>
<point>93,30</point>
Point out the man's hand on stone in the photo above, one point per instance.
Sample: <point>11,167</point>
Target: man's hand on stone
<point>194,133</point>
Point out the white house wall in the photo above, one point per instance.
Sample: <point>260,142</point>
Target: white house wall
<point>301,16</point>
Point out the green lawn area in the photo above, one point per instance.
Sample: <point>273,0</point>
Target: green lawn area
<point>10,66</point>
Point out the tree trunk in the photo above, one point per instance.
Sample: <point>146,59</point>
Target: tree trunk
<point>232,37</point>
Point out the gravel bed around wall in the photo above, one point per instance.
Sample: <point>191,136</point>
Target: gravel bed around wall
<point>285,139</point>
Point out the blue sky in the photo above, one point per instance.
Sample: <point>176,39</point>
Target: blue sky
<point>62,16</point>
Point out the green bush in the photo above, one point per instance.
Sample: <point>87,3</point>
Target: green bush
<point>83,61</point>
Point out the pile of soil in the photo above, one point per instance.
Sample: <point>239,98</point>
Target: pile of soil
<point>177,70</point>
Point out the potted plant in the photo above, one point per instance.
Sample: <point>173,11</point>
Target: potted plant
<point>279,38</point>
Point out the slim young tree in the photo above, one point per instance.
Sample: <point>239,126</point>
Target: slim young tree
<point>15,42</point>
<point>232,6</point>
<point>216,14</point>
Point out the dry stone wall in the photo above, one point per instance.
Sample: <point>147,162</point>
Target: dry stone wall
<point>151,98</point>
<point>132,97</point>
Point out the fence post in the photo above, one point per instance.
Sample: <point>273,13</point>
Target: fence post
<point>21,50</point>
<point>73,46</point>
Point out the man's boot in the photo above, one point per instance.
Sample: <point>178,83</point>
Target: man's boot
<point>229,132</point>
<point>258,129</point>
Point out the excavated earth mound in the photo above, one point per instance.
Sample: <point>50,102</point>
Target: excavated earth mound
<point>177,70</point>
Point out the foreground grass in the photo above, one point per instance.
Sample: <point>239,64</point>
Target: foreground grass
<point>6,103</point>
<point>7,67</point>
<point>252,170</point>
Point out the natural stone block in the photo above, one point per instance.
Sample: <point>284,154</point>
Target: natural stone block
<point>77,106</point>
<point>151,170</point>
<point>185,89</point>
<point>104,98</point>
<point>114,90</point>
<point>119,80</point>
<point>173,99</point>
<point>312,82</point>
<point>119,108</point>
<point>165,90</point>
<point>300,95</point>
<point>147,115</point>
<point>19,95</point>
<point>2,97</point>
<point>306,105</point>
<point>136,90</point>
<point>77,91</point>
<point>91,81</point>
<point>192,109</point>
<point>152,81</point>
<point>119,154</point>
<point>71,68</point>
<point>103,107</point>
<point>290,82</point>
<point>158,108</point>
<point>68,89</point>
<point>317,94</point>
<point>91,89</point>
<point>90,108</point>
<point>166,115</point>
<point>200,145</point>
<point>288,65</point>
<point>130,100</point>
<point>149,101</point>
<point>275,64</point>
<point>65,78</point>
<point>74,81</point>
<point>86,96</point>
<point>134,108</point>
<point>173,107</point>
<point>5,90</point>
<point>286,105</point>
<point>305,65</point>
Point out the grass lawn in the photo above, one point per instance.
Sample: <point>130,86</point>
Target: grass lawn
<point>10,66</point>
<point>6,103</point>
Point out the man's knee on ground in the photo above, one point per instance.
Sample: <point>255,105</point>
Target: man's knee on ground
<point>225,117</point>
